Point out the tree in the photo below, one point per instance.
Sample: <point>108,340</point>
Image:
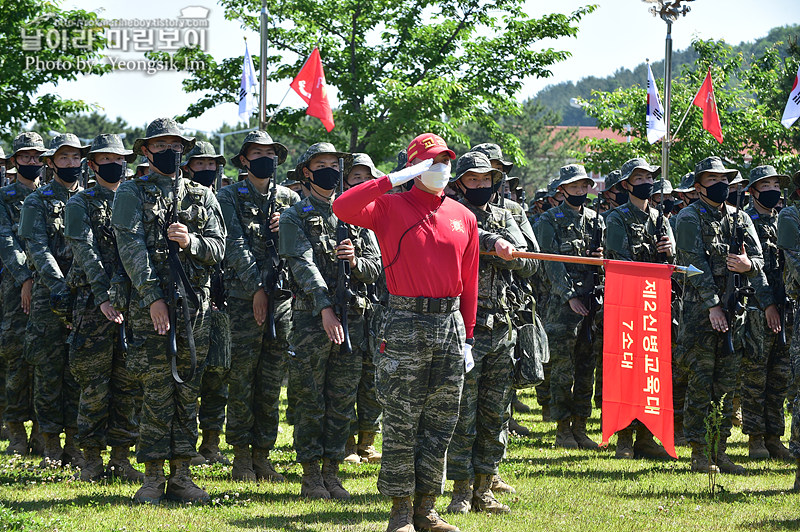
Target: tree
<point>400,67</point>
<point>750,102</point>
<point>59,36</point>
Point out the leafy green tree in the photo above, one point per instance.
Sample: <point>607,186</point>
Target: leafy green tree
<point>400,67</point>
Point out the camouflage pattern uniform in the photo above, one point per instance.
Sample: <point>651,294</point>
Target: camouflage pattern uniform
<point>324,377</point>
<point>168,423</point>
<point>257,362</point>
<point>563,230</point>
<point>17,269</point>
<point>55,391</point>
<point>107,407</point>
<point>703,236</point>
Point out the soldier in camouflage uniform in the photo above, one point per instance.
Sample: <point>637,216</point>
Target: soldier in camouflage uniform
<point>765,369</point>
<point>703,236</point>
<point>41,226</point>
<point>292,184</point>
<point>737,191</point>
<point>566,229</point>
<point>478,444</point>
<point>16,288</point>
<point>202,165</point>
<point>252,209</point>
<point>613,193</point>
<point>325,377</point>
<point>633,234</point>
<point>140,218</point>
<point>686,194</point>
<point>106,410</point>
<point>369,409</point>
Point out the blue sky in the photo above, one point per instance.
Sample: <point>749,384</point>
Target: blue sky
<point>621,33</point>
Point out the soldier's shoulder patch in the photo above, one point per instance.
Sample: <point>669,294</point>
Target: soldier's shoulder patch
<point>754,216</point>
<point>308,208</point>
<point>243,190</point>
<point>47,192</point>
<point>90,192</point>
<point>11,192</point>
<point>559,215</point>
<point>626,210</point>
<point>701,209</point>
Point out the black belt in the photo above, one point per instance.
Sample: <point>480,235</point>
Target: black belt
<point>425,305</point>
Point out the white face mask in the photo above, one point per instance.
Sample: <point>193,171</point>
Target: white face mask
<point>437,176</point>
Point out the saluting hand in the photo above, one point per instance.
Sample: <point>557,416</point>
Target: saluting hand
<point>159,313</point>
<point>345,250</point>
<point>177,232</point>
<point>332,326</point>
<point>110,312</point>
<point>274,222</point>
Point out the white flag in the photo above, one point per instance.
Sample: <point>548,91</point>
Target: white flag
<point>655,113</point>
<point>792,111</point>
<point>247,96</point>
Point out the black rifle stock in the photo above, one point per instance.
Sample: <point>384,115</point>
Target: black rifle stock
<point>782,301</point>
<point>594,297</point>
<point>735,289</point>
<point>275,265</point>
<point>344,292</point>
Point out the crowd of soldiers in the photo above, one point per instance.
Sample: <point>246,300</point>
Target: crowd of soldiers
<point>128,303</point>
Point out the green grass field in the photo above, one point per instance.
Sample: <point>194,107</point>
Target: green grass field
<point>557,490</point>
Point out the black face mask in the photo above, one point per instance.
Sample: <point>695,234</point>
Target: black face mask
<point>262,168</point>
<point>642,190</point>
<point>204,177</point>
<point>164,161</point>
<point>29,171</point>
<point>769,198</point>
<point>576,201</point>
<point>68,175</point>
<point>620,198</point>
<point>546,206</point>
<point>325,178</point>
<point>478,196</point>
<point>736,196</point>
<point>669,205</point>
<point>718,192</point>
<point>110,172</point>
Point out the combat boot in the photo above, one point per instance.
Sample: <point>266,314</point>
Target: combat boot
<point>262,466</point>
<point>52,450</point>
<point>209,449</point>
<point>680,437</point>
<point>520,407</point>
<point>180,487</point>
<point>119,466</point>
<point>579,432</point>
<point>331,481</point>
<point>564,437</point>
<point>483,499</point>
<point>351,451</point>
<point>401,518</point>
<point>17,439</point>
<point>624,444</point>
<point>756,449</point>
<point>72,454</point>
<point>546,413</point>
<point>36,441</point>
<point>700,460</point>
<point>461,500</point>
<point>426,517</point>
<point>518,428</point>
<point>501,486</point>
<point>243,464</point>
<point>776,449</point>
<point>152,490</point>
<point>724,462</point>
<point>366,448</point>
<point>312,485</point>
<point>92,464</point>
<point>646,446</point>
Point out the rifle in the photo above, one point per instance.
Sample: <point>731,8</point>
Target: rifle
<point>275,264</point>
<point>594,298</point>
<point>84,173</point>
<point>344,293</point>
<point>782,301</point>
<point>3,176</point>
<point>735,289</point>
<point>179,289</point>
<point>122,335</point>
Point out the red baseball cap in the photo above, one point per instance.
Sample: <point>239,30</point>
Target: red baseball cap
<point>428,146</point>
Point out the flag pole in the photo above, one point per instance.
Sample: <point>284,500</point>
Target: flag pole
<point>682,121</point>
<point>689,270</point>
<point>665,141</point>
<point>262,90</point>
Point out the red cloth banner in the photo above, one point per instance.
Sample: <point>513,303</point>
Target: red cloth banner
<point>310,85</point>
<point>637,349</point>
<point>706,101</point>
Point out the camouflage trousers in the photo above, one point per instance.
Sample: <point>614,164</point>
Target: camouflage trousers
<point>19,374</point>
<point>55,391</point>
<point>168,420</point>
<point>572,364</point>
<point>368,408</point>
<point>478,442</point>
<point>325,382</point>
<point>680,380</point>
<point>543,388</point>
<point>711,373</point>
<point>213,399</point>
<point>254,380</point>
<point>765,377</point>
<point>419,378</point>
<point>107,406</point>
<point>794,358</point>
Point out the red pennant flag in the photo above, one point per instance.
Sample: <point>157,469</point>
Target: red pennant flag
<point>705,100</point>
<point>637,349</point>
<point>310,86</point>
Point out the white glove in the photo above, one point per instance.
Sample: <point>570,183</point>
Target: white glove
<point>469,362</point>
<point>407,174</point>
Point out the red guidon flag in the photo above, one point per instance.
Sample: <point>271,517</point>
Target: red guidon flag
<point>310,85</point>
<point>637,349</point>
<point>705,100</point>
